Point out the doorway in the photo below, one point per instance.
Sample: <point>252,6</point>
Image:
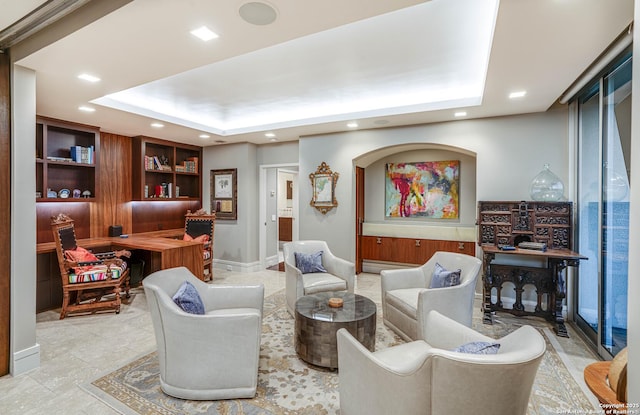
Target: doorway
<point>278,211</point>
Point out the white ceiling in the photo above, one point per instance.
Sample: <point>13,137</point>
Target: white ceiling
<point>377,62</point>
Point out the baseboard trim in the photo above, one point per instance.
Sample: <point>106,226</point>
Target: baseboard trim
<point>237,266</point>
<point>25,360</point>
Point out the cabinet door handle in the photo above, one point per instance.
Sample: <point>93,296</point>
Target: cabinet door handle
<point>461,246</point>
<point>378,240</point>
<point>417,242</point>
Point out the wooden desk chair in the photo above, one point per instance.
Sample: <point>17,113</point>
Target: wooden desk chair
<point>608,381</point>
<point>90,282</point>
<point>198,226</point>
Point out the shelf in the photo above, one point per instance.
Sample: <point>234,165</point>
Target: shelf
<point>69,164</point>
<point>68,200</point>
<point>148,152</point>
<point>57,144</point>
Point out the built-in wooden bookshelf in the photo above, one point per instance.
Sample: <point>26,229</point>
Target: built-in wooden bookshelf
<point>66,161</point>
<point>165,170</point>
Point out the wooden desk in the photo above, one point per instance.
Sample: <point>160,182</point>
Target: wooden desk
<point>549,280</point>
<point>165,252</point>
<point>161,248</point>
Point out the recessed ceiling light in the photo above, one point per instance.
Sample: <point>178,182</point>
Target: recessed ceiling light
<point>258,13</point>
<point>517,94</point>
<point>86,109</point>
<point>157,125</point>
<point>204,33</point>
<point>269,135</point>
<point>460,114</point>
<point>87,77</point>
<point>352,124</point>
<point>204,136</point>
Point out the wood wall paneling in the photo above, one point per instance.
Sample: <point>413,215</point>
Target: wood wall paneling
<point>113,207</point>
<point>80,212</point>
<point>159,215</point>
<point>5,209</point>
<point>409,250</point>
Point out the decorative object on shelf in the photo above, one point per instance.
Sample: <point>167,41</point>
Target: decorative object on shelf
<point>76,193</point>
<point>64,193</point>
<point>224,194</point>
<point>423,190</point>
<point>86,194</point>
<point>547,187</point>
<point>52,193</point>
<point>323,183</point>
<point>38,195</point>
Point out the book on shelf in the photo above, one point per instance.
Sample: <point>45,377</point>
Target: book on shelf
<point>156,163</point>
<point>190,165</point>
<point>83,155</point>
<point>53,158</point>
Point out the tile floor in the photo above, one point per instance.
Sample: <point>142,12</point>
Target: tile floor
<point>77,350</point>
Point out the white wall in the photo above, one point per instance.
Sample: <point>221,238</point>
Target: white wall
<point>278,153</point>
<point>271,214</point>
<point>510,152</point>
<point>235,241</point>
<point>25,352</point>
<point>284,203</point>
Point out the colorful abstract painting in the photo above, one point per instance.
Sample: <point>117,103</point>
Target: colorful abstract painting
<point>427,189</point>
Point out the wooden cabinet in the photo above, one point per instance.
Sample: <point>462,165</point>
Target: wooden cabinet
<point>165,170</point>
<point>66,161</point>
<point>409,250</point>
<point>509,223</point>
<point>285,229</point>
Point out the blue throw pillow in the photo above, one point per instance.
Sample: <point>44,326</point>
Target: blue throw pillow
<point>188,299</point>
<point>444,278</point>
<point>307,263</point>
<point>478,348</point>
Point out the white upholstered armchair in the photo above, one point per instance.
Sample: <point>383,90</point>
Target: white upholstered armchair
<point>210,356</point>
<point>427,378</point>
<point>340,275</point>
<point>407,298</point>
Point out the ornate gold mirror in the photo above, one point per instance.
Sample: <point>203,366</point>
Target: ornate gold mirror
<point>323,183</point>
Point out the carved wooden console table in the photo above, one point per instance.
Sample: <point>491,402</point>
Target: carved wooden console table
<point>503,224</point>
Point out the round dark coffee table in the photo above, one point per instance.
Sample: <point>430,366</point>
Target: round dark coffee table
<point>317,324</point>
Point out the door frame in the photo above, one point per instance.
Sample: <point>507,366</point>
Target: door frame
<point>262,206</point>
<point>359,172</point>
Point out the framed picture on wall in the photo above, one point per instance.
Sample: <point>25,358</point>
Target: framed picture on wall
<point>323,183</point>
<point>224,194</point>
<point>423,190</point>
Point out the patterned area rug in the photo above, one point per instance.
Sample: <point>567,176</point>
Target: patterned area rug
<point>287,385</point>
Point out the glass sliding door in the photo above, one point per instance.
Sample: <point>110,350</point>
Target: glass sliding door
<point>603,203</point>
<point>615,203</point>
<point>589,212</point>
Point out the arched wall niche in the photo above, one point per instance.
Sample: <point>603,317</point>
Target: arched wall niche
<point>374,164</point>
<point>370,157</point>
